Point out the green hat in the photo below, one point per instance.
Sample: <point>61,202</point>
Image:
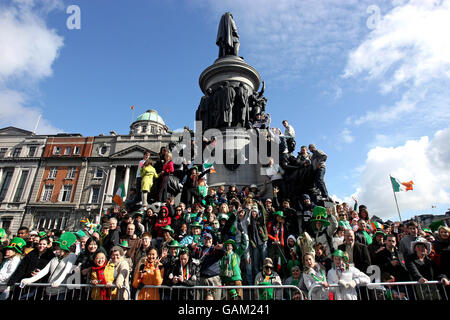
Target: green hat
<point>66,240</point>
<point>435,225</point>
<point>195,224</point>
<point>17,244</point>
<point>42,234</point>
<point>2,233</point>
<point>139,213</point>
<point>320,215</point>
<point>80,234</point>
<point>340,253</point>
<point>124,244</point>
<point>232,242</point>
<point>427,230</point>
<point>222,216</point>
<point>169,229</point>
<point>379,231</point>
<point>279,213</point>
<point>174,244</point>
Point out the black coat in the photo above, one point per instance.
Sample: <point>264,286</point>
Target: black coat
<point>384,260</point>
<point>111,240</point>
<point>422,269</point>
<point>361,256</point>
<point>29,263</point>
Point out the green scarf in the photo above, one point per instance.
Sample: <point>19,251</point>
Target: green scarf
<point>228,263</point>
<point>368,237</point>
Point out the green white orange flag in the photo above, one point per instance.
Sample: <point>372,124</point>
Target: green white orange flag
<point>207,166</point>
<point>120,194</point>
<point>401,186</point>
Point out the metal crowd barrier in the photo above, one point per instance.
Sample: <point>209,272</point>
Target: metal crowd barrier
<point>255,292</point>
<point>72,292</point>
<point>408,290</point>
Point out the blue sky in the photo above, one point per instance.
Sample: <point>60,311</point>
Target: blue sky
<point>364,80</point>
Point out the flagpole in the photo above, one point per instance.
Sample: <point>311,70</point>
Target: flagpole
<point>395,197</point>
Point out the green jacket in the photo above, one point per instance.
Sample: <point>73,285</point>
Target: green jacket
<point>229,264</point>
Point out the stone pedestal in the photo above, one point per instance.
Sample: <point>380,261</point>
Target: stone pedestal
<point>245,169</point>
<point>229,68</point>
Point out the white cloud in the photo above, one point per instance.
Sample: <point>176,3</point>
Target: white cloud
<point>15,111</point>
<point>408,52</point>
<point>424,161</point>
<point>346,136</point>
<point>29,49</point>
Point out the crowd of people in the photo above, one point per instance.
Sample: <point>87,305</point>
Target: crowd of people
<point>224,236</point>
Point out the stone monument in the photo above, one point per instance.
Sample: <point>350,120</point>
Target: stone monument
<point>232,105</point>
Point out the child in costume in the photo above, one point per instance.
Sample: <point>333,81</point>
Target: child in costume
<point>230,272</point>
<point>346,276</point>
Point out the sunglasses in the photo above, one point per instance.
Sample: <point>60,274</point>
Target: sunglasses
<point>267,267</point>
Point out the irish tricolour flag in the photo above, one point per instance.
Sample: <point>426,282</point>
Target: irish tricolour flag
<point>207,166</point>
<point>120,194</point>
<point>401,186</point>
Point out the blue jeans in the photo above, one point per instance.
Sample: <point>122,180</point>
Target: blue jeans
<point>258,255</point>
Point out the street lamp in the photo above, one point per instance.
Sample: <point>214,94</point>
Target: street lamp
<point>106,174</point>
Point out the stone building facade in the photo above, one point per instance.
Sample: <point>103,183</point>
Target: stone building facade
<point>51,182</point>
<point>57,192</point>
<point>20,157</point>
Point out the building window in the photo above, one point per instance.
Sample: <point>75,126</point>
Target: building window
<point>144,129</point>
<point>3,152</point>
<point>52,173</point>
<point>66,192</point>
<point>21,186</point>
<point>95,194</point>
<point>32,151</point>
<point>71,173</point>
<point>103,150</point>
<point>16,152</point>
<point>47,194</point>
<point>76,150</point>
<point>40,223</point>
<point>6,223</point>
<point>98,173</point>
<point>67,151</point>
<point>56,150</point>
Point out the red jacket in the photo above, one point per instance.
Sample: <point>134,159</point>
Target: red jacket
<point>162,222</point>
<point>168,168</point>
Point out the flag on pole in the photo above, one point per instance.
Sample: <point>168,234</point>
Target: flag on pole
<point>120,194</point>
<point>401,186</point>
<point>207,166</point>
<point>132,107</point>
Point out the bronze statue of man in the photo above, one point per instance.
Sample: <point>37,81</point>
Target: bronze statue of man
<point>227,36</point>
<point>225,101</point>
<point>242,108</point>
